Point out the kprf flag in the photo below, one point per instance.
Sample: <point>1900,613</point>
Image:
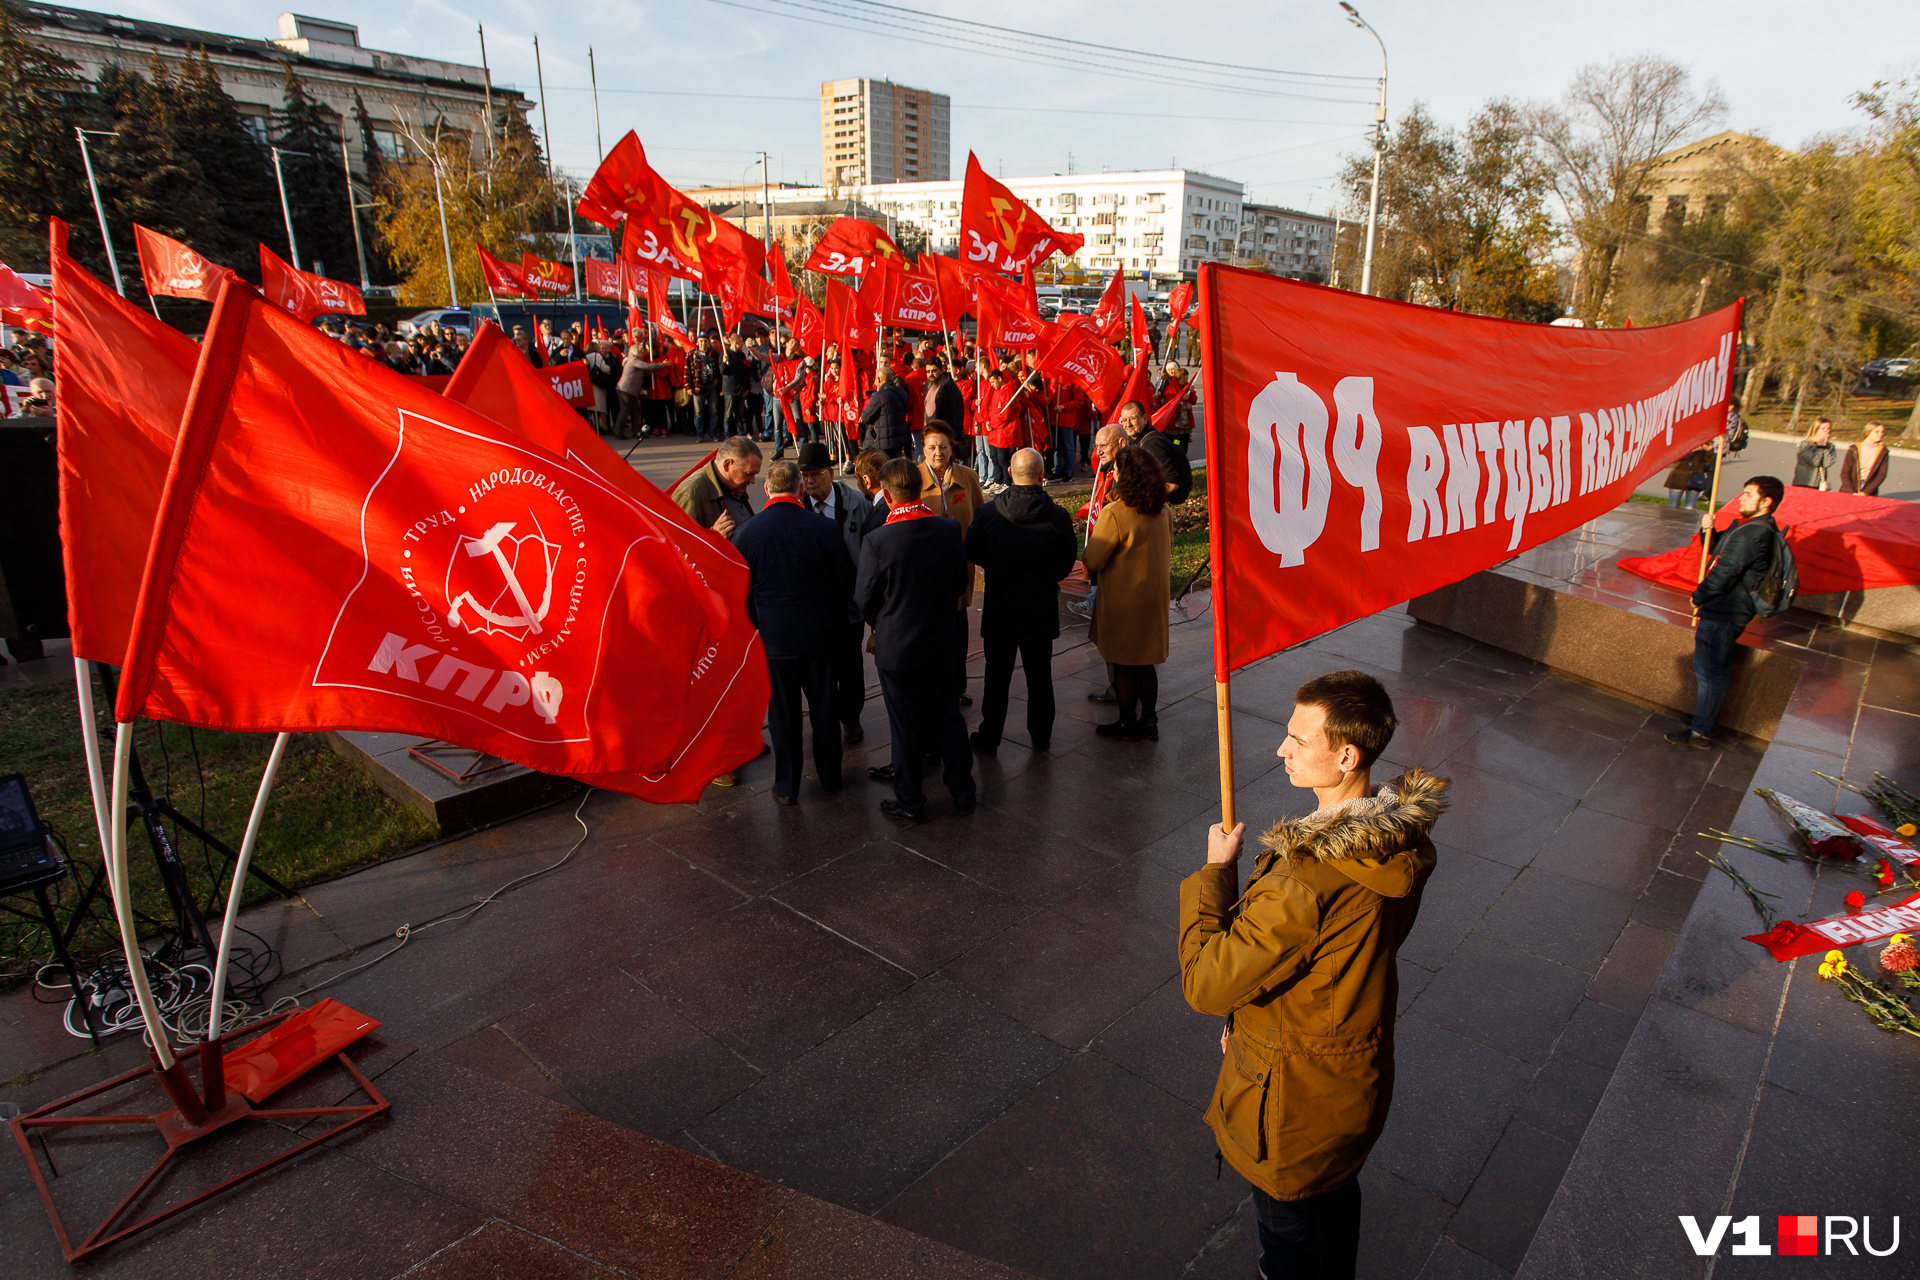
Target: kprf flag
<point>1000,232</point>
<point>602,279</point>
<point>908,299</point>
<point>1138,387</point>
<point>662,311</point>
<point>545,277</point>
<point>1078,353</point>
<point>809,327</point>
<point>504,279</point>
<point>304,294</point>
<point>851,246</point>
<point>1110,314</point>
<point>122,387</point>
<point>728,690</point>
<point>616,186</point>
<point>666,231</point>
<point>848,322</point>
<point>1363,452</point>
<point>643,252</point>
<point>1177,304</point>
<point>171,270</point>
<point>952,286</point>
<point>1007,316</point>
<point>338,548</point>
<point>780,290</point>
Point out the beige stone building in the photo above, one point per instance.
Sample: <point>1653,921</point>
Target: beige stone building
<point>405,96</point>
<point>1693,181</point>
<point>876,131</point>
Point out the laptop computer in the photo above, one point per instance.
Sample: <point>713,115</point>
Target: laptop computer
<point>27,856</point>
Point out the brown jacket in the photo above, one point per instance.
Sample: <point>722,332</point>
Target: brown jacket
<point>1132,554</point>
<point>1851,481</point>
<point>703,496</point>
<point>959,498</point>
<point>1303,966</point>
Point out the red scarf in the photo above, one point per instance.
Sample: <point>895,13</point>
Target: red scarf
<point>909,511</point>
<point>1100,486</point>
<point>784,497</point>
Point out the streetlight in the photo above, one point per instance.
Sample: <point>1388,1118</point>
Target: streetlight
<point>1379,144</point>
<point>293,250</point>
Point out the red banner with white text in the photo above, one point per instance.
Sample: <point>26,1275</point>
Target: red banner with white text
<point>1363,452</point>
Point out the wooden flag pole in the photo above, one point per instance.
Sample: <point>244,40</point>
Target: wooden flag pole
<point>1223,703</point>
<point>1216,483</point>
<point>1713,508</point>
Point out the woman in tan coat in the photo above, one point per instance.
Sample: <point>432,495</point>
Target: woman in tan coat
<point>949,489</point>
<point>1131,548</point>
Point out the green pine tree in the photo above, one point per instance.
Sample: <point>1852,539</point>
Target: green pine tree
<point>43,98</point>
<point>208,127</point>
<point>308,135</point>
<point>378,169</point>
<point>145,176</point>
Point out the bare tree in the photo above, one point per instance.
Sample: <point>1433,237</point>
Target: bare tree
<point>1600,145</point>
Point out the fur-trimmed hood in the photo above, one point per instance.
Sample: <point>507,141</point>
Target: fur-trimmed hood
<point>1365,839</point>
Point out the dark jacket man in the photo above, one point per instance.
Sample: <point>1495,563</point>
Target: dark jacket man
<point>706,495</point>
<point>801,574</point>
<point>1744,554</point>
<point>1141,431</point>
<point>884,421</point>
<point>1024,540</point>
<point>945,403</point>
<point>913,573</point>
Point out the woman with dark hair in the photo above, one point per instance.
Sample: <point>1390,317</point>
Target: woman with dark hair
<point>1131,548</point>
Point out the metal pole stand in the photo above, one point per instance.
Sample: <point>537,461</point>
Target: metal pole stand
<point>193,1115</point>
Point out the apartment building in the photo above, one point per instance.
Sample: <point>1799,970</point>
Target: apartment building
<point>876,131</point>
<point>1288,242</point>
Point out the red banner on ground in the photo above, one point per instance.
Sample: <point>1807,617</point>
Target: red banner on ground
<point>304,294</point>
<point>338,548</point>
<point>1840,541</point>
<point>1363,452</point>
<point>1788,939</point>
<point>122,386</point>
<point>171,270</point>
<point>1001,232</point>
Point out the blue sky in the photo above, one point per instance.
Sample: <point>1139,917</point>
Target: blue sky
<point>709,85</point>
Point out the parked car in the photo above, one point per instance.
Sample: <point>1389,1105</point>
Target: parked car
<point>445,317</point>
<point>1899,368</point>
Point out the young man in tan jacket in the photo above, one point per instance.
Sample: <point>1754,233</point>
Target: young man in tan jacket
<point>1302,967</point>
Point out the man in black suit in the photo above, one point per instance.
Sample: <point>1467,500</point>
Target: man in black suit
<point>1025,542</point>
<point>913,576</point>
<point>801,576</point>
<point>841,502</point>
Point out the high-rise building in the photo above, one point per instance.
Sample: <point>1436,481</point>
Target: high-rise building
<point>875,131</point>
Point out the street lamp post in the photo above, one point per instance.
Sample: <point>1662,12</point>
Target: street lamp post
<point>353,212</point>
<point>1379,144</point>
<point>293,249</point>
<point>99,208</point>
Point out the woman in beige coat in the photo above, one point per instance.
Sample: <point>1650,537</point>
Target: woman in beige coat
<point>1131,549</point>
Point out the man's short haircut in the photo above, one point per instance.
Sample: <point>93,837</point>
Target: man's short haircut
<point>901,479</point>
<point>1135,404</point>
<point>936,427</point>
<point>1026,466</point>
<point>782,476</point>
<point>868,464</point>
<point>1359,712</point>
<point>739,448</point>
<point>1769,487</point>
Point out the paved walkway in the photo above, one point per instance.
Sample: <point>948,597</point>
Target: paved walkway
<point>971,1030</point>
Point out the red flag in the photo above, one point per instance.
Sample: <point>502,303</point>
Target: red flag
<point>617,186</point>
<point>729,690</point>
<point>848,322</point>
<point>1177,303</point>
<point>850,246</point>
<point>122,386</point>
<point>304,294</point>
<point>642,251</point>
<point>602,279</point>
<point>809,327</point>
<point>1079,354</point>
<point>339,548</point>
<point>171,270</point>
<point>780,285</point>
<point>1362,452</point>
<point>908,299</point>
<point>1110,315</point>
<point>545,277</point>
<point>1004,313</point>
<point>662,311</point>
<point>24,306</point>
<point>727,250</point>
<point>953,285</point>
<point>1000,232</point>
<point>503,278</point>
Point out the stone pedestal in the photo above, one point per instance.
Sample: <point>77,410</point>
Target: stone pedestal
<point>453,805</point>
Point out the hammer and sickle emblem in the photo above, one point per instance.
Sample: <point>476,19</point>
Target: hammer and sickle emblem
<point>488,543</point>
<point>1009,229</point>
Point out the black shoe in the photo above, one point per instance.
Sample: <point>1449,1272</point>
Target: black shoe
<point>833,790</point>
<point>853,735</point>
<point>1125,729</point>
<point>1043,748</point>
<point>978,742</point>
<point>786,799</point>
<point>965,701</point>
<point>1108,697</point>
<point>965,807</point>
<point>900,813</point>
<point>881,773</point>
<point>1150,730</point>
<point>1688,738</point>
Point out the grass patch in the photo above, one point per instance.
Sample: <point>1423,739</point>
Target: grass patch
<point>1886,405</point>
<point>325,815</point>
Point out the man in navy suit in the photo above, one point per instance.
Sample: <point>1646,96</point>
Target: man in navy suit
<point>801,574</point>
<point>913,577</point>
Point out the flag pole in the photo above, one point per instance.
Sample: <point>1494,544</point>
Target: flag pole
<point>1713,508</point>
<point>157,1034</point>
<point>90,741</point>
<point>219,993</point>
<point>1223,676</point>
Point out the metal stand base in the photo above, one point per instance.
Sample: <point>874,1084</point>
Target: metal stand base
<point>179,1126</point>
<point>477,764</point>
